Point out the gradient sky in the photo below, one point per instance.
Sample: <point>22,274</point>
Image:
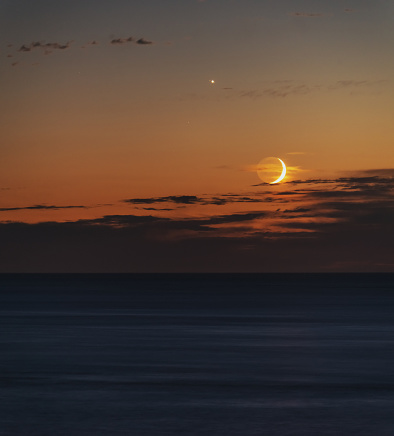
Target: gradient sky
<point>118,154</point>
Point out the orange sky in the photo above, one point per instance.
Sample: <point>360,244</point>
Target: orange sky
<point>134,115</point>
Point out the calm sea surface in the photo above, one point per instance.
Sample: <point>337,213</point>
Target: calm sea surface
<point>197,355</point>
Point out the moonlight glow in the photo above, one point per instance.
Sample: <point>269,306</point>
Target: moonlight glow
<point>271,170</point>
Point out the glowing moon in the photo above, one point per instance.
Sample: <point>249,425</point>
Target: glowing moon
<point>282,176</point>
<point>268,170</point>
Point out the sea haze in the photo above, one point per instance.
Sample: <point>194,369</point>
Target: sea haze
<point>151,355</point>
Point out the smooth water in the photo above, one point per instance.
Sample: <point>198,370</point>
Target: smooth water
<point>197,355</point>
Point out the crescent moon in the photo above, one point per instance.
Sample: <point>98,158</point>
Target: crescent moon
<point>282,176</point>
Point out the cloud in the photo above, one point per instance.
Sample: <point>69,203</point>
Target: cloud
<point>348,192</point>
<point>382,178</point>
<point>25,48</point>
<point>340,84</point>
<point>147,223</point>
<point>298,210</point>
<point>120,221</point>
<point>140,41</point>
<point>47,47</point>
<point>218,200</point>
<point>380,172</point>
<point>122,40</point>
<point>356,239</point>
<point>155,208</point>
<point>232,218</point>
<point>178,199</point>
<point>143,41</point>
<point>280,90</point>
<point>315,225</point>
<point>41,207</point>
<point>285,88</point>
<point>310,181</point>
<point>201,224</point>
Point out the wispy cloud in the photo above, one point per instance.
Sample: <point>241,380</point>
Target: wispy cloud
<point>178,199</point>
<point>285,90</point>
<point>218,200</point>
<point>143,41</point>
<point>41,207</point>
<point>47,47</point>
<point>120,220</point>
<point>156,208</point>
<point>139,41</point>
<point>117,41</point>
<point>340,84</point>
<point>292,88</point>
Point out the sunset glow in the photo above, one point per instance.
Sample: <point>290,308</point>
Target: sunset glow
<point>114,127</point>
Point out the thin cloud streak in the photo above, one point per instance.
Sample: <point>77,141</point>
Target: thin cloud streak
<point>47,47</point>
<point>122,40</point>
<point>41,207</point>
<point>143,41</point>
<point>218,200</point>
<point>140,41</point>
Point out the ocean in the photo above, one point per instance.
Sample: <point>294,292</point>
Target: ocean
<point>214,354</point>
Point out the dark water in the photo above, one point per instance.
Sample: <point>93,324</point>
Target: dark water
<point>197,355</point>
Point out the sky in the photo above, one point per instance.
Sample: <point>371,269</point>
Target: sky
<point>131,134</point>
